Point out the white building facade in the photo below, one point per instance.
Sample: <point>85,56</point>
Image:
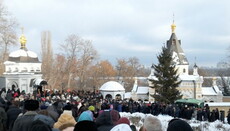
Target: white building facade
<point>112,90</point>
<point>191,85</point>
<point>22,69</point>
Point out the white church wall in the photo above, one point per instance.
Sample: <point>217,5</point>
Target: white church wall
<point>182,69</point>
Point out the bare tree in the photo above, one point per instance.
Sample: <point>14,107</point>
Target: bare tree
<point>8,36</point>
<point>127,69</point>
<point>87,55</point>
<point>47,55</point>
<point>59,75</point>
<point>80,54</point>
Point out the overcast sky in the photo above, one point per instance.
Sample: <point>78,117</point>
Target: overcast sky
<point>128,28</point>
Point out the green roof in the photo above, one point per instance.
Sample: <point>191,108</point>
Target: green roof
<point>189,100</point>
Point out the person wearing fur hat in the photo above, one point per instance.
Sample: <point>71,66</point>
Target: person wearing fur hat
<point>179,125</point>
<point>24,122</point>
<point>66,122</point>
<point>152,123</point>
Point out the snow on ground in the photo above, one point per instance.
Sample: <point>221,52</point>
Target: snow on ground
<point>137,119</point>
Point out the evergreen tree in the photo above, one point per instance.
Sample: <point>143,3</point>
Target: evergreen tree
<point>166,80</point>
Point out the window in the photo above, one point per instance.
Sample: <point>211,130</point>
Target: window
<point>24,69</point>
<point>32,69</point>
<point>184,70</point>
<point>16,69</point>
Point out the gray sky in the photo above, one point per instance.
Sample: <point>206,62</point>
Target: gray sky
<point>127,28</point>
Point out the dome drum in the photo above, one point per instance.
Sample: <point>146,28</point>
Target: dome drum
<point>23,59</point>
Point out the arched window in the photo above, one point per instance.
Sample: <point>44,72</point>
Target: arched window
<point>108,97</point>
<point>38,69</point>
<point>31,69</point>
<point>24,69</point>
<point>184,70</point>
<point>16,69</point>
<point>118,97</point>
<point>9,69</point>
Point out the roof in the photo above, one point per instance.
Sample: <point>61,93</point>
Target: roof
<point>218,103</point>
<point>127,95</point>
<point>188,77</point>
<point>23,55</point>
<point>174,45</point>
<point>216,88</point>
<point>208,91</point>
<point>112,86</point>
<point>142,90</point>
<point>189,100</point>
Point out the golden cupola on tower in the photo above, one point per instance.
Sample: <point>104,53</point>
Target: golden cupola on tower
<point>23,54</point>
<point>173,27</point>
<point>23,40</point>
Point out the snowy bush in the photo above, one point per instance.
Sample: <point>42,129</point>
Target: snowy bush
<point>137,119</point>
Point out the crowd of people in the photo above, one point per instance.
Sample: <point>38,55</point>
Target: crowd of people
<point>87,111</point>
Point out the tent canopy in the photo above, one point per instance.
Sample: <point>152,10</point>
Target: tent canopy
<point>190,101</point>
<point>39,82</point>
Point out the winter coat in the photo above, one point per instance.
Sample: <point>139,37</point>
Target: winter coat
<point>12,115</point>
<point>85,126</point>
<point>3,118</point>
<point>228,118</point>
<point>9,96</point>
<point>104,121</point>
<point>217,115</point>
<point>3,95</point>
<point>45,119</point>
<point>24,122</point>
<point>64,121</point>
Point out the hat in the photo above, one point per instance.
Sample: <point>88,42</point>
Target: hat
<point>115,116</point>
<point>179,125</point>
<point>85,126</point>
<point>64,119</point>
<point>91,108</point>
<point>123,120</point>
<point>31,105</point>
<point>45,119</point>
<point>121,127</point>
<point>86,115</point>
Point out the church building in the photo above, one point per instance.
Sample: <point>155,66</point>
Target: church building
<point>191,85</point>
<point>22,69</point>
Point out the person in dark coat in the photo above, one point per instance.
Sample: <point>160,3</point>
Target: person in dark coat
<point>199,115</point>
<point>38,125</point>
<point>228,116</point>
<point>85,126</point>
<point>217,114</point>
<point>12,114</point>
<point>104,121</point>
<point>179,125</point>
<point>24,122</point>
<point>3,118</point>
<point>212,116</point>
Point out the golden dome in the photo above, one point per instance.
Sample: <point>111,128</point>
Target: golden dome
<point>23,40</point>
<point>173,27</point>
